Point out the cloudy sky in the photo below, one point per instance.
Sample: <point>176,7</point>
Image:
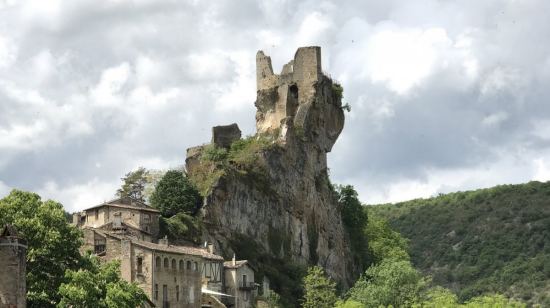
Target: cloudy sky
<point>445,95</point>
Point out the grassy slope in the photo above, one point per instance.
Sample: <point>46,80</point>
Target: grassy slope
<point>488,240</point>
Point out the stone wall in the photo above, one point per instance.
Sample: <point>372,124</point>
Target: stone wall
<point>13,252</point>
<point>176,279</point>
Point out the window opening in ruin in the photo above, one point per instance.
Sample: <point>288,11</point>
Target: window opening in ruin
<point>173,264</point>
<point>177,293</point>
<point>166,263</point>
<point>181,265</point>
<point>244,281</point>
<point>139,265</point>
<point>165,296</point>
<point>96,214</point>
<point>196,266</point>
<point>156,295</point>
<point>188,265</point>
<point>157,263</point>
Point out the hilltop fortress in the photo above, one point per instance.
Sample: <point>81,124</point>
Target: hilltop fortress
<point>280,202</point>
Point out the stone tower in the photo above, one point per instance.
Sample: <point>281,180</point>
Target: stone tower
<point>13,262</point>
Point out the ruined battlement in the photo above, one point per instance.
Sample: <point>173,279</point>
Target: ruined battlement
<point>305,68</point>
<point>299,101</point>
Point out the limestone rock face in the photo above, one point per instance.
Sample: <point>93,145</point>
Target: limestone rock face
<point>291,210</point>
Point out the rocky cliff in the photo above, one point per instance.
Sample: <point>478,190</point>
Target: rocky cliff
<point>272,190</point>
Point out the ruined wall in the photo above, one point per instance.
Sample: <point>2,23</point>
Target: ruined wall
<point>290,211</point>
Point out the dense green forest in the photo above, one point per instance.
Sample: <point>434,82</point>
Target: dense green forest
<point>494,240</point>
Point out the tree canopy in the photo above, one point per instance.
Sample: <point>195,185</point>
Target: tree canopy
<point>134,184</point>
<point>52,243</point>
<point>354,218</point>
<point>175,194</point>
<point>99,286</point>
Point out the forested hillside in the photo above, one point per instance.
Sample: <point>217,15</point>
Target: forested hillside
<point>482,241</point>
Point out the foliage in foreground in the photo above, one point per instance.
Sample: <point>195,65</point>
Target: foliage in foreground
<point>99,285</point>
<point>52,243</point>
<point>319,290</point>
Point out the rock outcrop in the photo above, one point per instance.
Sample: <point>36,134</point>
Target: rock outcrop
<point>285,202</point>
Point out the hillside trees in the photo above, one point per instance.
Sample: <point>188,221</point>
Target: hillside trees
<point>483,241</point>
<point>52,243</point>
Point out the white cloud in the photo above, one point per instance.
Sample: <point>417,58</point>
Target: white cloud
<point>8,52</point>
<point>4,189</point>
<point>79,196</point>
<point>108,90</point>
<point>404,57</point>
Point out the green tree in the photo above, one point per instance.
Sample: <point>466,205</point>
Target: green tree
<point>391,282</point>
<point>493,301</point>
<point>134,184</point>
<point>52,243</point>
<point>320,291</point>
<point>175,194</point>
<point>385,243</point>
<point>99,286</point>
<point>355,220</point>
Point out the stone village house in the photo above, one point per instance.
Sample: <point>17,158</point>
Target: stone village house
<point>126,229</point>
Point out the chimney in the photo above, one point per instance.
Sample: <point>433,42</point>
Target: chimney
<point>164,241</point>
<point>211,248</point>
<point>234,261</point>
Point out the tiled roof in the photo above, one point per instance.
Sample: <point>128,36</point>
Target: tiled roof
<point>239,263</point>
<point>188,250</point>
<point>179,249</point>
<point>120,203</point>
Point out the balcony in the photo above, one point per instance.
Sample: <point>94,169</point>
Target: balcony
<point>247,286</point>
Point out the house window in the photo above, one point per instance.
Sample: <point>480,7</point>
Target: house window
<point>191,294</point>
<point>181,265</point>
<point>157,263</point>
<point>244,281</point>
<point>188,265</point>
<point>156,295</point>
<point>139,265</point>
<point>99,246</point>
<point>177,293</point>
<point>173,264</point>
<point>146,228</point>
<point>166,263</point>
<point>165,296</point>
<point>195,266</point>
<point>96,214</point>
<point>207,270</point>
<point>118,220</point>
<point>146,217</point>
